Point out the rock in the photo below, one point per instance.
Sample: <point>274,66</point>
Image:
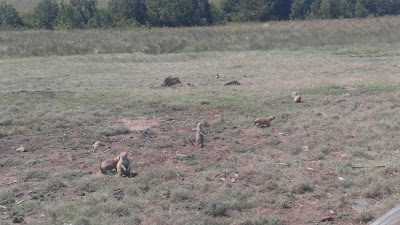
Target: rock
<point>235,82</point>
<point>171,81</point>
<point>145,134</point>
<point>21,149</point>
<point>96,144</point>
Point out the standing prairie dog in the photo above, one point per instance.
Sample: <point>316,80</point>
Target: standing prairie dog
<point>123,165</point>
<point>296,97</point>
<point>200,135</point>
<point>263,121</point>
<point>108,164</point>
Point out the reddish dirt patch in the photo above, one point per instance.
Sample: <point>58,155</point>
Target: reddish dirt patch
<point>141,123</point>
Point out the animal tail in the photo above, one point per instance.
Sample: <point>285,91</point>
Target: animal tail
<point>101,169</point>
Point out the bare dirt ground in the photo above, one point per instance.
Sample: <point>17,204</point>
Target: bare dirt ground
<point>272,162</point>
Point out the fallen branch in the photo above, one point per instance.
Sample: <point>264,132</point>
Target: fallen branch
<point>358,167</point>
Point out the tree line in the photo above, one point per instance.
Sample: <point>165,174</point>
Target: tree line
<point>53,14</point>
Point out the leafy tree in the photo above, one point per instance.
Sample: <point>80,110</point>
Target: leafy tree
<point>100,19</point>
<point>45,14</point>
<point>360,10</point>
<point>247,10</point>
<point>278,9</point>
<point>330,9</point>
<point>178,12</point>
<point>127,10</point>
<point>9,16</point>
<point>300,8</point>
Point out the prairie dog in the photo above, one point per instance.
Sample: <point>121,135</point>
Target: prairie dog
<point>216,76</point>
<point>200,126</point>
<point>199,139</point>
<point>123,165</point>
<point>296,97</point>
<point>200,135</point>
<point>263,121</point>
<point>108,165</point>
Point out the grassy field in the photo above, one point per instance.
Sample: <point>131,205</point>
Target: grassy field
<point>371,36</point>
<point>297,171</point>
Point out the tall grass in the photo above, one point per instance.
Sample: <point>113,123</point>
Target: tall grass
<point>233,37</point>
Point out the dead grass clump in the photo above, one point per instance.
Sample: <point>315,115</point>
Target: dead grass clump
<point>364,217</point>
<point>262,221</point>
<point>181,194</point>
<point>36,175</point>
<point>225,202</point>
<point>302,188</point>
<point>114,131</point>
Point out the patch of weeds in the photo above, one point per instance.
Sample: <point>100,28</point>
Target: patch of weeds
<point>118,209</point>
<point>25,206</point>
<point>71,175</point>
<point>217,209</point>
<point>274,142</point>
<point>82,221</point>
<point>361,153</point>
<point>364,217</point>
<point>114,131</point>
<point>198,168</point>
<point>324,90</point>
<point>36,175</point>
<point>346,183</point>
<point>325,150</point>
<point>181,194</point>
<point>377,190</point>
<point>86,186</point>
<point>226,201</point>
<point>54,184</point>
<point>174,106</point>
<point>262,221</point>
<point>9,195</point>
<point>6,162</point>
<point>302,188</point>
<point>246,149</point>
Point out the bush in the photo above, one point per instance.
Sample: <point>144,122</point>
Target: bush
<point>45,14</point>
<point>9,16</point>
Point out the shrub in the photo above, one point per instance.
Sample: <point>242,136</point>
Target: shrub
<point>9,16</point>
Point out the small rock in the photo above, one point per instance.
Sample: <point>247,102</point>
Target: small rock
<point>170,81</point>
<point>235,82</point>
<point>233,180</point>
<point>21,149</point>
<point>17,219</point>
<point>96,144</point>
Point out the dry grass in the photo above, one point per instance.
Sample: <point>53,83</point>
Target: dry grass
<point>371,36</point>
<point>296,171</point>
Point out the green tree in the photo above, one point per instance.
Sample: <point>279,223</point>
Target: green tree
<point>277,9</point>
<point>45,14</point>
<point>178,12</point>
<point>330,9</point>
<point>101,19</point>
<point>122,11</point>
<point>360,10</point>
<point>245,10</point>
<point>77,14</point>
<point>9,16</point>
<point>300,9</point>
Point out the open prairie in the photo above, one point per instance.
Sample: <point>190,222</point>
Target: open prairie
<point>332,159</point>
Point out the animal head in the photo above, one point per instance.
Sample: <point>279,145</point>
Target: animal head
<point>200,124</point>
<point>294,94</point>
<point>271,117</point>
<point>123,155</point>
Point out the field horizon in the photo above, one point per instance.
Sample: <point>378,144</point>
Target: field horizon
<point>332,159</point>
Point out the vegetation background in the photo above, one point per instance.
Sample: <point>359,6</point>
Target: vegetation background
<point>63,85</point>
<point>54,14</point>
